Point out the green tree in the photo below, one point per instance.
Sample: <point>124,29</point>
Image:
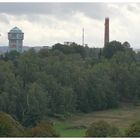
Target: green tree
<point>27,67</point>
<point>43,129</point>
<point>111,48</point>
<point>102,129</point>
<point>10,127</point>
<point>101,91</point>
<point>36,100</point>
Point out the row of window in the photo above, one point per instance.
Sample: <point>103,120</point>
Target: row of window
<point>16,36</point>
<point>14,41</point>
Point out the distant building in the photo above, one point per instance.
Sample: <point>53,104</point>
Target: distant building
<point>15,37</point>
<point>46,47</point>
<point>68,43</point>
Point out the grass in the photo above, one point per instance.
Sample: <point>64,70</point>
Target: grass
<point>65,130</point>
<point>76,125</point>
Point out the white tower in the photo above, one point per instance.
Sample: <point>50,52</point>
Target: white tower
<point>15,37</point>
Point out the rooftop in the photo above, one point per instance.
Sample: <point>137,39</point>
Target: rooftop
<point>15,30</point>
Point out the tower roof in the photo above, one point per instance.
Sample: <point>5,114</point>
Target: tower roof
<point>15,30</point>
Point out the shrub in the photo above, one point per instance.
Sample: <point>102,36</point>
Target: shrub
<point>10,127</point>
<point>43,129</point>
<point>102,129</point>
<point>133,130</point>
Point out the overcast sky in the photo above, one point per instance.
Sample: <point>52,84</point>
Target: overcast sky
<point>50,23</point>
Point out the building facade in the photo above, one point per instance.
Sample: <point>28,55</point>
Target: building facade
<point>15,37</point>
<point>68,43</point>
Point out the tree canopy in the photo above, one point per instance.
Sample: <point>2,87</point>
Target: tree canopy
<point>102,129</point>
<point>67,79</point>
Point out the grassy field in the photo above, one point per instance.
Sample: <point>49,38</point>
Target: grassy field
<point>65,129</point>
<point>76,125</point>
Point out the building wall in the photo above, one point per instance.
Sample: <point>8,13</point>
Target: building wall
<point>15,41</point>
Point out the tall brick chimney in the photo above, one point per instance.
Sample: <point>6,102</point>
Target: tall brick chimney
<point>106,37</point>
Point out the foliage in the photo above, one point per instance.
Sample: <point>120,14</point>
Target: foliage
<point>43,129</point>
<point>102,129</point>
<point>73,48</point>
<point>111,48</point>
<point>133,130</point>
<point>67,79</point>
<point>10,127</point>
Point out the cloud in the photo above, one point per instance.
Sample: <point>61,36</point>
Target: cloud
<point>49,23</point>
<point>63,10</point>
<point>4,18</point>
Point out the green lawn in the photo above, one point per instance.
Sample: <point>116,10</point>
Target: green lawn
<point>65,130</point>
<point>75,126</point>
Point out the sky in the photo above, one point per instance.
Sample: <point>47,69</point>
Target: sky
<point>45,24</point>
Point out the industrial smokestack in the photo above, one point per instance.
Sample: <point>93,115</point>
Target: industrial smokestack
<point>106,37</point>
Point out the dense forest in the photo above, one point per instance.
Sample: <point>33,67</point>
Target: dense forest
<point>68,79</point>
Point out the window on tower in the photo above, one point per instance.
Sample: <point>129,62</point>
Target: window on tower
<point>12,36</point>
<point>13,41</point>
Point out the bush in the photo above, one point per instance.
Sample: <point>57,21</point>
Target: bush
<point>43,129</point>
<point>10,127</point>
<point>102,129</point>
<point>133,130</point>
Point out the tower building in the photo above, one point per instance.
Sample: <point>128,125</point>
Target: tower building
<point>15,37</point>
<point>106,36</point>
